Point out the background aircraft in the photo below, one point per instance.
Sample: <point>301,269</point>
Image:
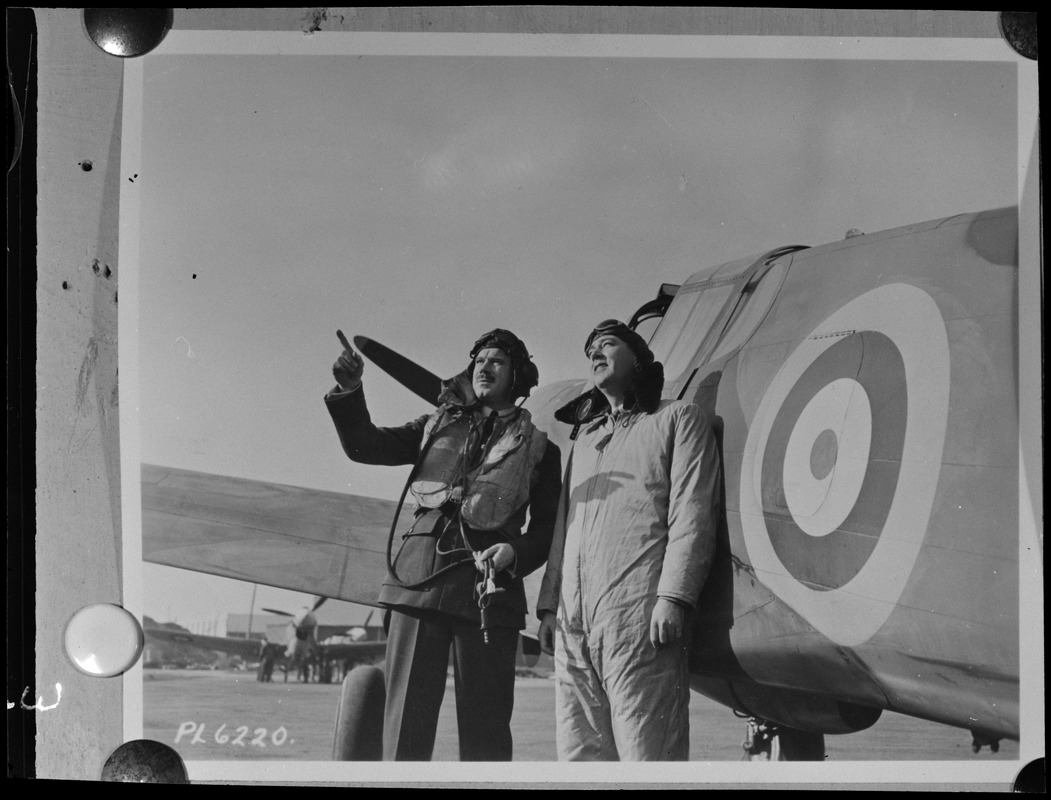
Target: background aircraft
<point>864,394</point>
<point>329,658</point>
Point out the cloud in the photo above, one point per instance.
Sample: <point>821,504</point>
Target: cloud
<point>495,155</point>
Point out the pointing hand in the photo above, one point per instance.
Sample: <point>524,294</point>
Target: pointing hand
<point>348,367</point>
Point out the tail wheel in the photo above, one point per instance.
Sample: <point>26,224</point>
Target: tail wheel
<point>359,716</point>
<point>760,741</point>
<point>768,741</point>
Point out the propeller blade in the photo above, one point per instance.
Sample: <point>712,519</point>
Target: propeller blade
<point>408,373</point>
<point>281,613</point>
<point>318,603</point>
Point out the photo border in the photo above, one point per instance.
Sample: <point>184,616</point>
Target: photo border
<point>185,42</point>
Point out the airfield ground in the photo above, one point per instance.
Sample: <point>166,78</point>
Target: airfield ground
<point>215,715</point>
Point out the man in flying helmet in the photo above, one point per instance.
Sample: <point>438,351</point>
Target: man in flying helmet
<point>479,464</point>
<point>632,547</point>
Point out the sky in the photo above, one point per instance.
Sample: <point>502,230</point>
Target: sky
<point>423,200</point>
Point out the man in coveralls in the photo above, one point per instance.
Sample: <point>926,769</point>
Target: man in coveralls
<point>633,544</point>
<point>479,464</point>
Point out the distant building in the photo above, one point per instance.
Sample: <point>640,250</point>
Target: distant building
<point>213,625</point>
<point>334,618</point>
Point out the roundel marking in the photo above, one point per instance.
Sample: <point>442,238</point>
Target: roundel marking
<point>849,508</point>
<point>820,465</point>
<point>842,460</point>
<point>823,454</point>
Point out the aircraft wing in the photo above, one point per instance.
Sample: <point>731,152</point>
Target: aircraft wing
<point>305,540</point>
<point>249,648</point>
<point>246,648</point>
<point>371,649</point>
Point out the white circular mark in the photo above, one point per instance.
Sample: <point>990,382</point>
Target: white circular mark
<point>819,505</point>
<point>103,640</point>
<point>853,612</point>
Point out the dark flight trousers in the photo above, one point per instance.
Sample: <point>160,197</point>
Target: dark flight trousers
<point>417,664</point>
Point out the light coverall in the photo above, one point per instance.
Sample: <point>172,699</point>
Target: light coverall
<point>637,521</point>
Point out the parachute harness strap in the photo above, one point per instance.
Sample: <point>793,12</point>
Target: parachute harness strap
<point>485,589</point>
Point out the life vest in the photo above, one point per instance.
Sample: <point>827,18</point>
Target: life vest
<point>497,487</point>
